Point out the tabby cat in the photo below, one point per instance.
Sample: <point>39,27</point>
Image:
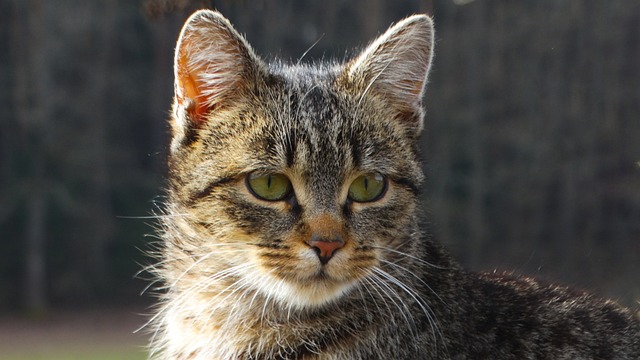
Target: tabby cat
<point>291,227</point>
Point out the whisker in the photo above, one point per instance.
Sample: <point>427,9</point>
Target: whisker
<point>206,256</point>
<point>364,300</point>
<point>422,261</point>
<point>416,276</point>
<point>193,290</point>
<point>418,300</point>
<point>382,285</point>
<point>369,282</point>
<point>151,217</point>
<point>187,295</point>
<point>242,286</point>
<point>264,308</point>
<point>309,49</point>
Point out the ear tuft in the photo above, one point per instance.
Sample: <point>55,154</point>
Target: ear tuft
<point>213,63</point>
<point>396,65</point>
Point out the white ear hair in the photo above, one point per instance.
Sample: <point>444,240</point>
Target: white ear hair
<point>397,63</point>
<point>212,62</point>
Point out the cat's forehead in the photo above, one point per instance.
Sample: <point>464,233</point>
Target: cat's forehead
<point>310,116</point>
<point>308,98</point>
<point>313,123</point>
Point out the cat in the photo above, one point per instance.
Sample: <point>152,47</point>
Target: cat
<point>292,221</point>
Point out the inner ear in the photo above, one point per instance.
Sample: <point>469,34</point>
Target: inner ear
<point>213,66</point>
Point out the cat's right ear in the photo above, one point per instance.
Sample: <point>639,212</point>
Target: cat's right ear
<point>213,65</point>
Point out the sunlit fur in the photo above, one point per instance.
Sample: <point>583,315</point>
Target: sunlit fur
<point>240,280</point>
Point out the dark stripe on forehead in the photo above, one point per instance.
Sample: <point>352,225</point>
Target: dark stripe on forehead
<point>328,157</point>
<point>290,146</point>
<point>356,153</point>
<point>321,107</point>
<point>314,95</point>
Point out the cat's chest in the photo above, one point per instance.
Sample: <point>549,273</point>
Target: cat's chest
<point>248,339</point>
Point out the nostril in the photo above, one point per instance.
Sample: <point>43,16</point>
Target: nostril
<point>325,248</point>
<point>317,250</point>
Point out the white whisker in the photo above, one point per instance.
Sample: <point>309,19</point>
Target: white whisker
<point>435,330</point>
<point>422,261</point>
<point>388,290</point>
<point>369,288</point>
<point>309,49</point>
<point>415,276</point>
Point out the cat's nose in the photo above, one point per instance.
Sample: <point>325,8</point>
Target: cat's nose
<point>325,247</point>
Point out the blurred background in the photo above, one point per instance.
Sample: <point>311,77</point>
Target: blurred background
<point>531,147</point>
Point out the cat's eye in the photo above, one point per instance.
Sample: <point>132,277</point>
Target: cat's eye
<point>367,188</point>
<point>270,187</point>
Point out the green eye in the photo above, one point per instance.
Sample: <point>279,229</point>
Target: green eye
<point>271,187</point>
<point>368,187</point>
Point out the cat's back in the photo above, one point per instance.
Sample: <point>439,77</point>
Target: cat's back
<point>515,317</point>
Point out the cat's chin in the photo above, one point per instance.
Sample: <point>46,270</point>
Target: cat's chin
<point>318,294</point>
<point>313,292</point>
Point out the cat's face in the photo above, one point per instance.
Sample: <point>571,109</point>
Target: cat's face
<point>295,182</point>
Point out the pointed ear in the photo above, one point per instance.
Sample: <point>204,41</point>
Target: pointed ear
<point>213,64</point>
<point>395,66</point>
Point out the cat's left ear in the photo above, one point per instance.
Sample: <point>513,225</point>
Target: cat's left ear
<point>395,66</point>
<point>214,68</point>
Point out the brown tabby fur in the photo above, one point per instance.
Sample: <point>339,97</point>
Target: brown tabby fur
<point>241,281</point>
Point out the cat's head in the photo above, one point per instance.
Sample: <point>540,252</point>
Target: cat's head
<point>295,181</point>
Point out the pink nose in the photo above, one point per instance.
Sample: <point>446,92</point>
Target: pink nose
<point>325,248</point>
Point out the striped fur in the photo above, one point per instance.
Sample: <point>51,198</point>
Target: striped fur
<point>241,281</point>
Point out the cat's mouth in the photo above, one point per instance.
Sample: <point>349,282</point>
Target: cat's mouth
<point>322,276</point>
<point>309,286</point>
<point>315,277</point>
<point>325,283</point>
<point>328,274</point>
